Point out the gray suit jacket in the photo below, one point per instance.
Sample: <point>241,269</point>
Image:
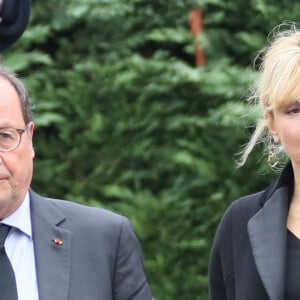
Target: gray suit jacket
<point>248,257</point>
<point>99,258</point>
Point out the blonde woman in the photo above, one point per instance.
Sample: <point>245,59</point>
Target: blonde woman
<point>256,249</point>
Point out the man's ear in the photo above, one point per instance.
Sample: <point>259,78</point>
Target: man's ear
<point>31,128</point>
<point>270,122</point>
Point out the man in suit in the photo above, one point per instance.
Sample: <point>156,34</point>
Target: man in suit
<point>58,249</point>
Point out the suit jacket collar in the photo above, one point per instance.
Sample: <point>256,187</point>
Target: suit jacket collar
<point>52,260</point>
<point>267,234</point>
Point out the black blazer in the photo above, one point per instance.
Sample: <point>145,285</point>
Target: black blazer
<point>248,255</point>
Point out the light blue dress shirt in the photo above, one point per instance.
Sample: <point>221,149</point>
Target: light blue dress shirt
<point>20,250</point>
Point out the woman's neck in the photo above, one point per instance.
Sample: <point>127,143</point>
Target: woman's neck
<point>293,220</point>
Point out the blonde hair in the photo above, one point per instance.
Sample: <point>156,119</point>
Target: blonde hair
<point>279,81</point>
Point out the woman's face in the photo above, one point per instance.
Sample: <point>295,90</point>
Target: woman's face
<point>284,125</point>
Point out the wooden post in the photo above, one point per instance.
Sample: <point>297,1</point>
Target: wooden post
<point>196,25</point>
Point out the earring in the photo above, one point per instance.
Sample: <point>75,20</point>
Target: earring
<point>273,152</point>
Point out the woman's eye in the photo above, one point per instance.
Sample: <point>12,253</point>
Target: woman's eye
<point>293,110</point>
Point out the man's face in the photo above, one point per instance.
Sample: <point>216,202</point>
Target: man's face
<point>16,166</point>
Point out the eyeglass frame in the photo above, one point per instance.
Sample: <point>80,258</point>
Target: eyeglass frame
<point>20,131</point>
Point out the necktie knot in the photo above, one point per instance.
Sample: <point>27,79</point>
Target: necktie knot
<point>4,230</point>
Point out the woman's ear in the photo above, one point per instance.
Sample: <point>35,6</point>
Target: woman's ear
<point>270,122</point>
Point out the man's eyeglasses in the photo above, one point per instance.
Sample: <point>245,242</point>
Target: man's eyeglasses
<point>10,138</point>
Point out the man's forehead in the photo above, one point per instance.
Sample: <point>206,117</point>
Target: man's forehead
<point>9,97</point>
<point>5,84</point>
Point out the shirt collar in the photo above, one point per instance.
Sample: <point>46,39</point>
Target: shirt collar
<point>20,218</point>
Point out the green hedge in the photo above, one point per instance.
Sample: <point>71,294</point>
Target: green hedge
<point>125,121</point>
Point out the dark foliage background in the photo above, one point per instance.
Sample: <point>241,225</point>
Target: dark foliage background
<point>126,121</point>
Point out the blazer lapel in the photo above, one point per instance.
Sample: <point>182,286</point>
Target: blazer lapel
<point>52,257</point>
<point>267,233</point>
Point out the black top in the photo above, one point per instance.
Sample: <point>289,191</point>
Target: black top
<point>292,281</point>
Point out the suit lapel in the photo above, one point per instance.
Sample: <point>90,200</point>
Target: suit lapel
<point>267,233</point>
<point>52,260</point>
